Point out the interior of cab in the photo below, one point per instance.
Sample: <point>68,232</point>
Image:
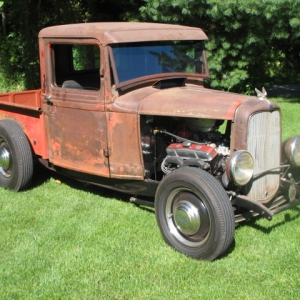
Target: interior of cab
<point>77,66</point>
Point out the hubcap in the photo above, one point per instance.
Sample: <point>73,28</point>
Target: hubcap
<point>4,160</point>
<point>187,217</point>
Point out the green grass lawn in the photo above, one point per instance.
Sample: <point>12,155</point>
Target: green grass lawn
<point>61,240</point>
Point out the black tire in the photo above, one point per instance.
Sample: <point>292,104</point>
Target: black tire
<point>194,213</point>
<point>16,161</point>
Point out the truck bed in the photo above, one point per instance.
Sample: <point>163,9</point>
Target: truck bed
<point>25,108</point>
<point>26,99</point>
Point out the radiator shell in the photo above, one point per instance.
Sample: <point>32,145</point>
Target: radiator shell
<point>264,143</point>
<point>257,129</point>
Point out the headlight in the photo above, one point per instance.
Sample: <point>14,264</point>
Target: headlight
<point>292,150</point>
<point>240,167</point>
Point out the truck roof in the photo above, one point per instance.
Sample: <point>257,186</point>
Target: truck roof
<point>121,32</point>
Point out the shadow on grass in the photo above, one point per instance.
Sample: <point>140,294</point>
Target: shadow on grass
<point>42,175</point>
<point>287,99</point>
<point>284,90</point>
<point>268,229</point>
<point>292,100</point>
<point>227,252</point>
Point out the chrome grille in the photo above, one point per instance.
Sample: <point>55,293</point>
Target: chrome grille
<point>264,142</point>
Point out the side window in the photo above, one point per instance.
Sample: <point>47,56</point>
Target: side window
<point>85,57</point>
<point>76,66</point>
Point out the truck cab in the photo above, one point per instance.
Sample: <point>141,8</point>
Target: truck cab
<point>84,77</point>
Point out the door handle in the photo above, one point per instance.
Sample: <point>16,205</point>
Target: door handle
<point>48,99</point>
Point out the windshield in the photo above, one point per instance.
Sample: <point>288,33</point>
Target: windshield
<point>134,60</point>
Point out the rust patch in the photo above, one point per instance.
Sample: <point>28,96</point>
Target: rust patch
<point>78,137</point>
<point>124,146</point>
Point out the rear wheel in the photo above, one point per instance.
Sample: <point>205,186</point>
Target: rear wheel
<point>16,161</point>
<point>194,213</point>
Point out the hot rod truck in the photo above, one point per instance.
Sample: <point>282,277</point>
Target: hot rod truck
<point>123,106</point>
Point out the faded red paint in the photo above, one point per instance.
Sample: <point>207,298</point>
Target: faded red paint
<point>231,111</point>
<point>55,146</point>
<point>190,101</point>
<point>27,99</point>
<point>108,33</point>
<point>25,109</point>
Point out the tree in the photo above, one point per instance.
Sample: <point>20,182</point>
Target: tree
<point>251,43</point>
<point>25,18</point>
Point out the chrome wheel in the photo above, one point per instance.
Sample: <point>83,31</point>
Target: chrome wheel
<point>194,213</point>
<point>187,217</point>
<point>5,159</point>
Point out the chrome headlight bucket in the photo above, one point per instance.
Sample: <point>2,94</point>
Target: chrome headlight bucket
<point>292,151</point>
<point>240,167</point>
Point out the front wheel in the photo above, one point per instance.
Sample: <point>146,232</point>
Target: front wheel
<point>194,213</point>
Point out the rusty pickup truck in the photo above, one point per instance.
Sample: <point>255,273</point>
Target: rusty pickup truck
<point>123,106</point>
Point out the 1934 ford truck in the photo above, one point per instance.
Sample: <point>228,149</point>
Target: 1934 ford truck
<point>123,106</point>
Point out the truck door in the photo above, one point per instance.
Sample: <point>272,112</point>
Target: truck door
<point>73,104</point>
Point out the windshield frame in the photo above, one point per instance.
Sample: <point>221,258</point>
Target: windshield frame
<point>155,77</point>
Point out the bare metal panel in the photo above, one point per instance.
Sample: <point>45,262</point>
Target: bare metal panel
<point>264,143</point>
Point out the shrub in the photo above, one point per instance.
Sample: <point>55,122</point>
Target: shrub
<point>251,43</point>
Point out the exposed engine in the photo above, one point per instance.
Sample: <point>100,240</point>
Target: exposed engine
<point>169,143</point>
